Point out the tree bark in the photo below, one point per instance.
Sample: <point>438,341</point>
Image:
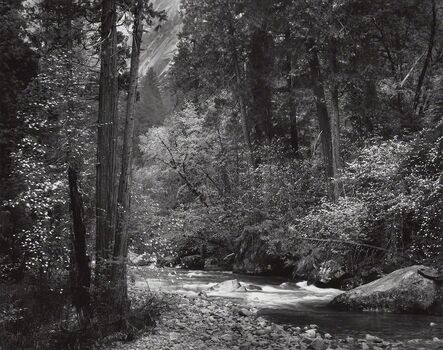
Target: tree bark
<point>82,270</point>
<point>293,127</point>
<point>428,56</point>
<point>106,160</point>
<point>323,117</point>
<point>227,188</point>
<point>124,193</point>
<point>80,266</point>
<point>243,111</point>
<point>258,76</point>
<point>294,142</point>
<point>334,118</point>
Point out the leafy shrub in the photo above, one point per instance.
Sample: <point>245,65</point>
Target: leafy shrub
<point>389,212</point>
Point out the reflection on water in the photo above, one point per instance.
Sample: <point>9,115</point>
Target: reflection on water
<point>293,303</point>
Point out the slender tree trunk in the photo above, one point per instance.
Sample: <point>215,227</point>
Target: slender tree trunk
<point>82,270</point>
<point>227,188</point>
<point>294,142</point>
<point>80,267</point>
<point>428,56</point>
<point>331,95</point>
<point>243,111</point>
<point>293,127</point>
<point>334,118</point>
<point>124,193</point>
<point>322,116</point>
<point>106,162</point>
<point>259,73</point>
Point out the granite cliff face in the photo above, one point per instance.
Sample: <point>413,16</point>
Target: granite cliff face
<point>159,47</point>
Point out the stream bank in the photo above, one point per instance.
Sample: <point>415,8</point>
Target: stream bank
<point>286,305</point>
<point>196,322</point>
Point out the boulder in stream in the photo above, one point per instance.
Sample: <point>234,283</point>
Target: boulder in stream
<point>251,287</point>
<point>226,286</point>
<point>241,289</point>
<point>402,291</point>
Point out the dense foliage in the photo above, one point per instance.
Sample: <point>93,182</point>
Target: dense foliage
<point>305,136</point>
<point>340,102</point>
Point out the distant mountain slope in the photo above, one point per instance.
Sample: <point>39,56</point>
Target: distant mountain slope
<point>158,50</point>
<point>159,47</point>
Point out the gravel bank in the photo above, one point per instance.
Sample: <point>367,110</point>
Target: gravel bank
<point>203,323</point>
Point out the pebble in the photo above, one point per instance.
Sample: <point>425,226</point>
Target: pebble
<point>206,337</point>
<point>372,338</point>
<point>174,336</point>
<point>310,333</point>
<point>318,344</point>
<point>350,340</point>
<point>244,312</point>
<point>226,337</point>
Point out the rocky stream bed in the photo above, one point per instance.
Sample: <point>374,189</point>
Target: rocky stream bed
<point>198,322</point>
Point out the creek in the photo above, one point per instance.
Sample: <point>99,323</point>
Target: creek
<point>285,302</point>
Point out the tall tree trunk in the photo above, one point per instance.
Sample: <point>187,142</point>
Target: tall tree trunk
<point>331,95</point>
<point>227,188</point>
<point>243,112</point>
<point>82,270</point>
<point>294,142</point>
<point>238,78</point>
<point>334,119</point>
<point>293,127</point>
<point>124,193</point>
<point>322,116</point>
<point>259,74</point>
<point>428,56</point>
<point>106,162</point>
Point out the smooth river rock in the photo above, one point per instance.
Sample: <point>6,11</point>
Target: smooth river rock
<point>252,287</point>
<point>402,291</point>
<point>226,286</point>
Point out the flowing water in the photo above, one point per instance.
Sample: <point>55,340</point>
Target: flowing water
<point>294,303</point>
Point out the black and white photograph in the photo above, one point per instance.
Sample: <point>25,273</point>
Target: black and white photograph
<point>221,174</point>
